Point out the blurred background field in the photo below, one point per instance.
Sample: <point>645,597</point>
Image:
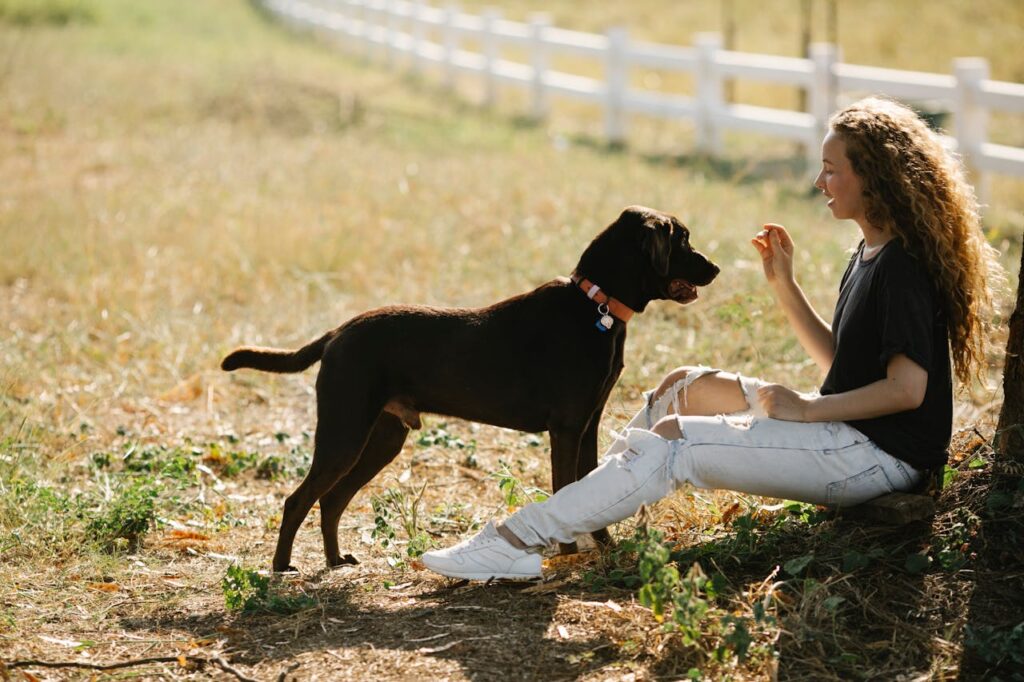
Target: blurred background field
<point>177,178</point>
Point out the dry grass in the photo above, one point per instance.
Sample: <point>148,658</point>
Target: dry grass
<point>180,179</point>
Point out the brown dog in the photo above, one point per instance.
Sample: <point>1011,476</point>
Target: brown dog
<point>545,360</point>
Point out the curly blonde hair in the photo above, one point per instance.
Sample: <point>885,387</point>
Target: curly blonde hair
<point>912,185</point>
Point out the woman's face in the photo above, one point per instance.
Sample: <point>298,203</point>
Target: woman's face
<point>838,181</point>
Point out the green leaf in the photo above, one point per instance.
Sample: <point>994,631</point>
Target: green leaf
<point>917,563</point>
<point>796,566</point>
<point>854,560</point>
<point>976,463</point>
<point>949,475</point>
<point>832,603</point>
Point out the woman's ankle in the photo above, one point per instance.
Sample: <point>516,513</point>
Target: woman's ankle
<point>512,538</point>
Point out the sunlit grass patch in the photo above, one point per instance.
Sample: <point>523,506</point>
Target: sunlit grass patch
<point>52,12</point>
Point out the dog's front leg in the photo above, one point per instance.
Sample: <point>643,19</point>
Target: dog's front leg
<point>565,451</point>
<point>586,463</point>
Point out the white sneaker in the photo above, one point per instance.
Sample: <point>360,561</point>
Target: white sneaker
<point>484,556</point>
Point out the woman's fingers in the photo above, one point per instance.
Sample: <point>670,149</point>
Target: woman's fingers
<point>781,233</point>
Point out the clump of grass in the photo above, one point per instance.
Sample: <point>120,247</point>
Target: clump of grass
<point>46,12</point>
<point>34,517</point>
<point>123,521</point>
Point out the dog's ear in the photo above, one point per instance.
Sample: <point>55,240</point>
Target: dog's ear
<point>657,242</point>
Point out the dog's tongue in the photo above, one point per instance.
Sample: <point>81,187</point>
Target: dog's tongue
<point>682,291</point>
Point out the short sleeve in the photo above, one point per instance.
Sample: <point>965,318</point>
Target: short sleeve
<point>906,314</point>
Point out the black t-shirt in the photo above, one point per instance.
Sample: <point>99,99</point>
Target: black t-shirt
<point>888,305</point>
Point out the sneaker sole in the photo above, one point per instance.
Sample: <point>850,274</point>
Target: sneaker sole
<point>517,577</point>
<point>470,575</point>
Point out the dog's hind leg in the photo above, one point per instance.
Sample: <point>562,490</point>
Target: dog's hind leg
<point>383,446</point>
<point>339,440</point>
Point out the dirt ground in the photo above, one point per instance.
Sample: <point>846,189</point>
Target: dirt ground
<point>160,611</point>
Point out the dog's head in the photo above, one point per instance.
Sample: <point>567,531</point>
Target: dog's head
<point>647,255</point>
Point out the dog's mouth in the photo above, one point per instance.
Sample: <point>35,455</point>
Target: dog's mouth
<point>681,291</point>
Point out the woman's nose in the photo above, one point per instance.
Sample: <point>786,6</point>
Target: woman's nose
<point>819,181</point>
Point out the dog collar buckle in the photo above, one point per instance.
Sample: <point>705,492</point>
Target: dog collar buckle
<point>609,308</point>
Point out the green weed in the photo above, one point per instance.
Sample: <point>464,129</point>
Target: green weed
<point>230,463</point>
<point>247,591</point>
<point>33,515</point>
<point>439,437</point>
<point>683,602</point>
<point>123,521</point>
<point>515,493</point>
<point>159,460</point>
<point>399,506</point>
<point>999,647</point>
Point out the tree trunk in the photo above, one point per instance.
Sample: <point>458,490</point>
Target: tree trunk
<point>1010,440</point>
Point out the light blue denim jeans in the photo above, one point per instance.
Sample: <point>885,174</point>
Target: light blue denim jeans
<point>829,463</point>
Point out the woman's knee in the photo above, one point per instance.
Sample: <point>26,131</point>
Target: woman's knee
<point>672,378</point>
<point>668,428</point>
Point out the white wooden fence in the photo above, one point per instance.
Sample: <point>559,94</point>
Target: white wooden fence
<point>394,28</point>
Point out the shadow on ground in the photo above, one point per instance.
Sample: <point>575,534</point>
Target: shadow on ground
<point>492,632</point>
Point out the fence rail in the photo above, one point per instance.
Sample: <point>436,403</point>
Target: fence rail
<point>394,28</point>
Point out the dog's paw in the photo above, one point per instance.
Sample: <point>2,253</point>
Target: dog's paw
<point>347,560</point>
<point>567,548</point>
<point>287,569</point>
<point>603,538</point>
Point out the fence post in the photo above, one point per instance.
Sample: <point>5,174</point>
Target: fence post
<point>822,99</point>
<point>417,35</point>
<point>489,39</point>
<point>971,119</point>
<point>351,12</point>
<point>449,38</point>
<point>366,18</point>
<point>617,84</point>
<point>539,24</point>
<point>709,94</point>
<point>390,18</point>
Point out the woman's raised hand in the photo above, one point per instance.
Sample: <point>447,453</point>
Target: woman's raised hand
<point>776,249</point>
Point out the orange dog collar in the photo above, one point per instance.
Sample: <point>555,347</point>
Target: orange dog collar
<point>615,307</point>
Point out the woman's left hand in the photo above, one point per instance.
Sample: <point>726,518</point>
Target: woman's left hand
<point>784,403</point>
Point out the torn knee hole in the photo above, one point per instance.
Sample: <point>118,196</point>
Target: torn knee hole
<point>746,398</point>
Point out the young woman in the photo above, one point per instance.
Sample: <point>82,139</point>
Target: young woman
<point>914,296</point>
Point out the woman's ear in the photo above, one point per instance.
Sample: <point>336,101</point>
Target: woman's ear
<point>658,243</point>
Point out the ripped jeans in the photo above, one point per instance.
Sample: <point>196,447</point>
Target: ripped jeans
<point>828,463</point>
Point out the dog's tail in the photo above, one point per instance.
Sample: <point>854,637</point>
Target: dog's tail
<point>277,359</point>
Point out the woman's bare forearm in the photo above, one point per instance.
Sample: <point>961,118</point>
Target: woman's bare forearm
<point>814,334</point>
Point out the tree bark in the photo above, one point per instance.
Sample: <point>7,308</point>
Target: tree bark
<point>1010,432</point>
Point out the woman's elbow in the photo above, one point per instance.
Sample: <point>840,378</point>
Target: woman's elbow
<point>910,396</point>
<point>908,381</point>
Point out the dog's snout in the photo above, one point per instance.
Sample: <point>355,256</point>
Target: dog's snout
<point>709,270</point>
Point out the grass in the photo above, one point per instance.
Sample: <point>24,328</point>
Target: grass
<point>182,178</point>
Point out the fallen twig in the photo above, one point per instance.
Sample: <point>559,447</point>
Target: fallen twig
<point>199,660</point>
<point>284,673</point>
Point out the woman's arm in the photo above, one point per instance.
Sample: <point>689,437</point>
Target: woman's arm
<point>902,389</point>
<point>775,246</point>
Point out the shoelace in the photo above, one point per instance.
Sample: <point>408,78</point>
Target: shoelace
<point>480,539</point>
